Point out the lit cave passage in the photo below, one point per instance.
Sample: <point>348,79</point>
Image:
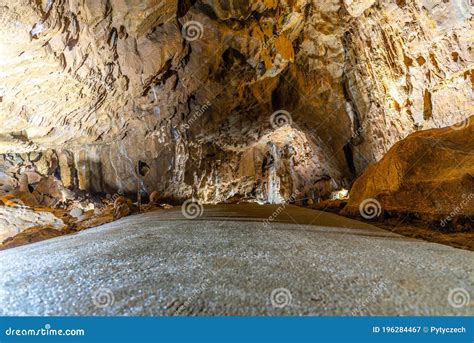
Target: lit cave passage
<point>244,157</point>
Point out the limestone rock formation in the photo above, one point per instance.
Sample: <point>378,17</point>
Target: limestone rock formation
<point>30,235</point>
<point>122,207</point>
<point>154,197</point>
<point>50,192</point>
<point>14,220</point>
<point>224,100</point>
<point>429,175</point>
<point>409,68</point>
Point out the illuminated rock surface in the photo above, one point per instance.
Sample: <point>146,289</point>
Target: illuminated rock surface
<point>429,175</point>
<point>15,220</point>
<point>103,84</point>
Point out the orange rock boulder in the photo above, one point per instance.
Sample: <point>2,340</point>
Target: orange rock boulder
<point>428,175</point>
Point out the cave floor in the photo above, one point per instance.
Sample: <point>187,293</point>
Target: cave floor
<point>226,262</point>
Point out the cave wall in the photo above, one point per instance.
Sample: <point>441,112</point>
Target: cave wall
<point>280,165</point>
<point>226,100</point>
<point>409,68</point>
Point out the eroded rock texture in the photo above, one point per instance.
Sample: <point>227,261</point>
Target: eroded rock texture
<point>14,220</point>
<point>429,175</point>
<point>189,88</point>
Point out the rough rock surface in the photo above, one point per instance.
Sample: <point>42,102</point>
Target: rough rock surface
<point>15,220</point>
<point>122,207</point>
<point>189,87</point>
<point>429,174</point>
<point>31,235</point>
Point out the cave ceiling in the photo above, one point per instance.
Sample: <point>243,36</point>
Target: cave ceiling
<point>224,98</point>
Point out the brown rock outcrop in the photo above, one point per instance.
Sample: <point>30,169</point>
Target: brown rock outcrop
<point>122,207</point>
<point>14,220</point>
<point>30,235</point>
<point>50,192</point>
<point>429,176</point>
<point>154,197</point>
